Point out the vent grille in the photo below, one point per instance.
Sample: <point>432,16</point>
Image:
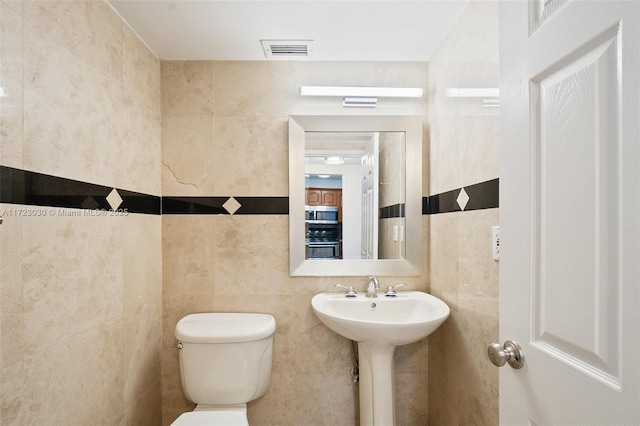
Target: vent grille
<point>287,49</point>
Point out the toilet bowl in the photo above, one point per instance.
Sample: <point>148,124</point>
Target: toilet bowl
<point>225,362</point>
<point>209,418</point>
<point>224,416</point>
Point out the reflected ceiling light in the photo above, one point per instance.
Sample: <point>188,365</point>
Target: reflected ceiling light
<point>491,103</point>
<point>471,92</point>
<point>324,176</point>
<point>333,160</point>
<point>362,92</point>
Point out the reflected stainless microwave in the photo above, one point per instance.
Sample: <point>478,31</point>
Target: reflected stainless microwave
<point>321,214</point>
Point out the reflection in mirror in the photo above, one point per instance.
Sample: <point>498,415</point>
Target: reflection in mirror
<point>354,195</point>
<point>352,208</point>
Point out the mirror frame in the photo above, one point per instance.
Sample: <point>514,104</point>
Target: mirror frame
<point>412,127</point>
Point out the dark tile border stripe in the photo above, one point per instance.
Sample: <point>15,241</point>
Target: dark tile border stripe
<point>214,205</point>
<point>193,205</point>
<point>37,189</point>
<point>263,205</point>
<point>484,195</point>
<point>396,210</point>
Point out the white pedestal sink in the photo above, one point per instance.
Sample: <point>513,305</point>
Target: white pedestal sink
<point>379,325</point>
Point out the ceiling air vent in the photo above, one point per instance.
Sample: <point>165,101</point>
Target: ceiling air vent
<point>287,49</point>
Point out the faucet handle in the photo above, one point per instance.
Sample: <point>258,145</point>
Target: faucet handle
<point>391,290</point>
<point>350,291</point>
<point>375,282</point>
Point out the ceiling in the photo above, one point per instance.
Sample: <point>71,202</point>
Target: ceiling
<point>379,30</point>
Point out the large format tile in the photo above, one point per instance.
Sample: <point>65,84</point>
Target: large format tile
<point>11,304</point>
<point>251,156</point>
<point>90,30</point>
<point>72,120</point>
<point>139,163</point>
<point>142,307</point>
<point>146,410</point>
<point>253,89</point>
<point>187,88</point>
<point>189,156</point>
<point>189,254</point>
<point>11,84</point>
<point>251,255</point>
<point>72,276</point>
<point>78,380</point>
<point>12,391</point>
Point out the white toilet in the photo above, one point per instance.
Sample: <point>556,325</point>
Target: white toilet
<point>225,362</point>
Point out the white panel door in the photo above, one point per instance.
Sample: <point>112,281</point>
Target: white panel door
<point>570,211</point>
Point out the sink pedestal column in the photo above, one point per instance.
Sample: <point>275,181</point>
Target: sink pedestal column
<point>377,400</point>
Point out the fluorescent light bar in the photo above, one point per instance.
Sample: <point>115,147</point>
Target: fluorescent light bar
<point>333,160</point>
<point>363,92</point>
<point>359,102</point>
<point>491,103</point>
<point>470,92</point>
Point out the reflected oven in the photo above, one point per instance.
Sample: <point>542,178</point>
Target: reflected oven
<point>323,240</point>
<point>323,250</point>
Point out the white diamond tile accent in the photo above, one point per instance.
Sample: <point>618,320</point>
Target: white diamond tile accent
<point>463,199</point>
<point>231,205</point>
<point>114,199</point>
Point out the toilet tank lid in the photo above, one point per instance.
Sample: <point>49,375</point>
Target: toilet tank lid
<point>224,327</point>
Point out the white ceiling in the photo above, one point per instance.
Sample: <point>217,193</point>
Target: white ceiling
<point>379,30</point>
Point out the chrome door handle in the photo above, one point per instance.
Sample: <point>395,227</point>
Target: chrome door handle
<point>510,352</point>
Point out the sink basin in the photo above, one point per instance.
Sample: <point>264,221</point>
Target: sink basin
<point>386,321</point>
<point>379,325</point>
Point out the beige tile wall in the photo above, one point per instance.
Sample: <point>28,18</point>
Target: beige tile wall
<point>463,385</point>
<point>224,133</point>
<point>80,305</point>
<point>80,296</point>
<point>392,185</point>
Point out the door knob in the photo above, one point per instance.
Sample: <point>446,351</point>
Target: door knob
<point>510,352</point>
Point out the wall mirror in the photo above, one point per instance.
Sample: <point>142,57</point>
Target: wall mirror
<point>355,192</point>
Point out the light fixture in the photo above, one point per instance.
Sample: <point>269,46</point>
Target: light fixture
<point>362,97</point>
<point>3,93</point>
<point>351,102</point>
<point>491,103</point>
<point>363,92</point>
<point>333,160</point>
<point>490,95</point>
<point>472,92</point>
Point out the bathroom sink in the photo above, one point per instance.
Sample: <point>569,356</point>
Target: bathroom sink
<point>384,321</point>
<point>379,325</point>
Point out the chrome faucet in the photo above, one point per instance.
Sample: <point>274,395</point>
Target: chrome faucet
<point>372,287</point>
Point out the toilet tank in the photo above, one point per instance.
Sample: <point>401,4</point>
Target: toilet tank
<point>225,358</point>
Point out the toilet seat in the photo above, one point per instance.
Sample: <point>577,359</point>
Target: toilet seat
<point>211,418</point>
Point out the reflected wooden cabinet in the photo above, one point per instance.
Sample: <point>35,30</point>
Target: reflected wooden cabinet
<point>313,197</point>
<point>323,197</point>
